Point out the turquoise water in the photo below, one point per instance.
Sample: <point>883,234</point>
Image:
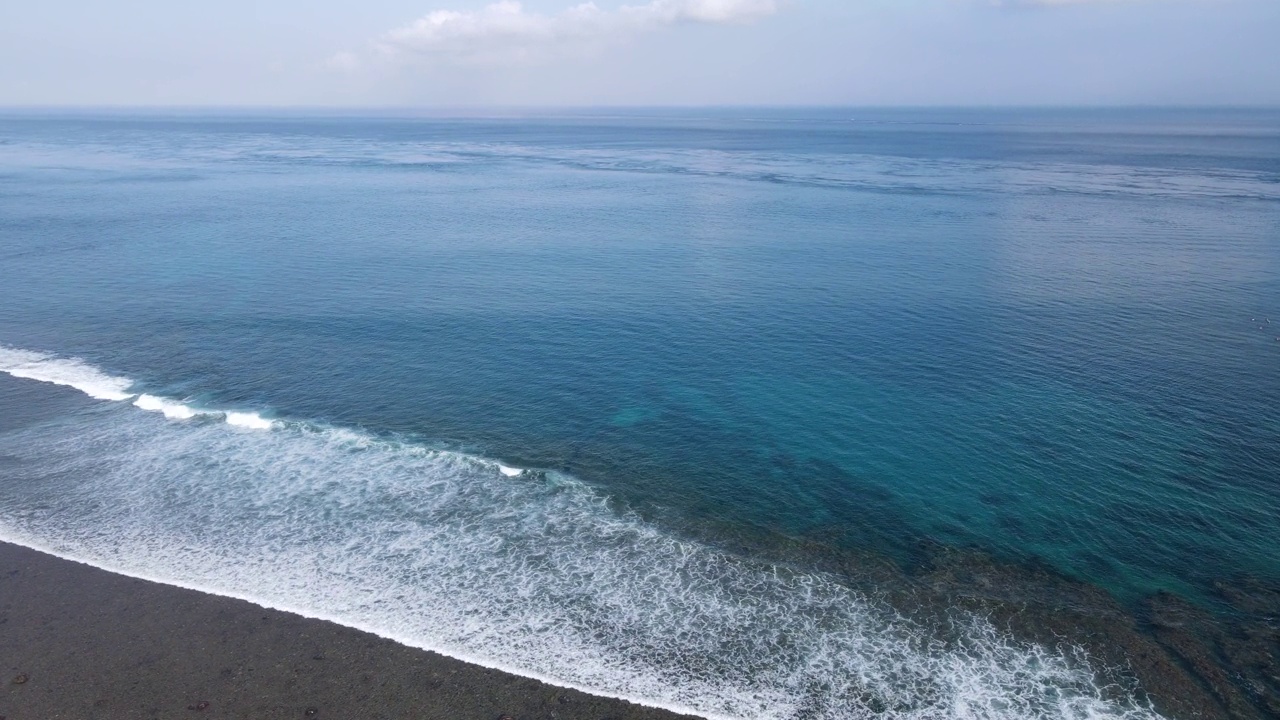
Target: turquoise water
<point>495,386</point>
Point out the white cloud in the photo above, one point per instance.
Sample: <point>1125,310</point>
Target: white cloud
<point>504,31</point>
<point>1056,3</point>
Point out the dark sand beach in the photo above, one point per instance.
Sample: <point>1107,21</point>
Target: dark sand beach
<point>79,642</point>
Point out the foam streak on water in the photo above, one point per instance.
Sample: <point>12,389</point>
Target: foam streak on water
<point>63,371</point>
<point>170,409</point>
<point>75,373</point>
<point>532,572</point>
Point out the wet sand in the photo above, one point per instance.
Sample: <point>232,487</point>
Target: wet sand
<point>81,643</point>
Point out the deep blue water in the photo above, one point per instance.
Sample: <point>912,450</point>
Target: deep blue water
<point>1049,335</point>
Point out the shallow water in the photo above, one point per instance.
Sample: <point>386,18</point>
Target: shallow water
<point>317,350</point>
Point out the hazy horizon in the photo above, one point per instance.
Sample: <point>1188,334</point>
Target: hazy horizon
<point>532,109</point>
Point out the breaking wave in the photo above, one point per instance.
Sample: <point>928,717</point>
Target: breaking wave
<point>62,371</point>
<point>75,373</point>
<point>528,571</point>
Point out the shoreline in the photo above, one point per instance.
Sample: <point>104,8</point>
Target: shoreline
<point>85,643</point>
<point>105,643</point>
<point>81,642</point>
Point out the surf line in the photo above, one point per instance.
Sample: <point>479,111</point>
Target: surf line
<point>92,381</point>
<point>82,376</point>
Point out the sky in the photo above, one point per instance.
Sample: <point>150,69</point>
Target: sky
<point>468,53</point>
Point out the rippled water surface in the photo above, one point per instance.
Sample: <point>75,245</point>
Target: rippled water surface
<point>519,388</point>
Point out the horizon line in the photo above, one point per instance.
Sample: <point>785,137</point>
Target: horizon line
<point>654,106</point>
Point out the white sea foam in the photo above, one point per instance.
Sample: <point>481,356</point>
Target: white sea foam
<point>171,409</point>
<point>97,384</point>
<point>250,420</point>
<point>435,550</point>
<point>64,371</point>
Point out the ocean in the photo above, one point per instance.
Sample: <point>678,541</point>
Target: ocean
<point>690,407</point>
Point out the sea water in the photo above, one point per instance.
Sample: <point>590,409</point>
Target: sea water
<point>516,388</point>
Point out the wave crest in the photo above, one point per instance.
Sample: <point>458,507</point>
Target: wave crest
<point>64,371</point>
